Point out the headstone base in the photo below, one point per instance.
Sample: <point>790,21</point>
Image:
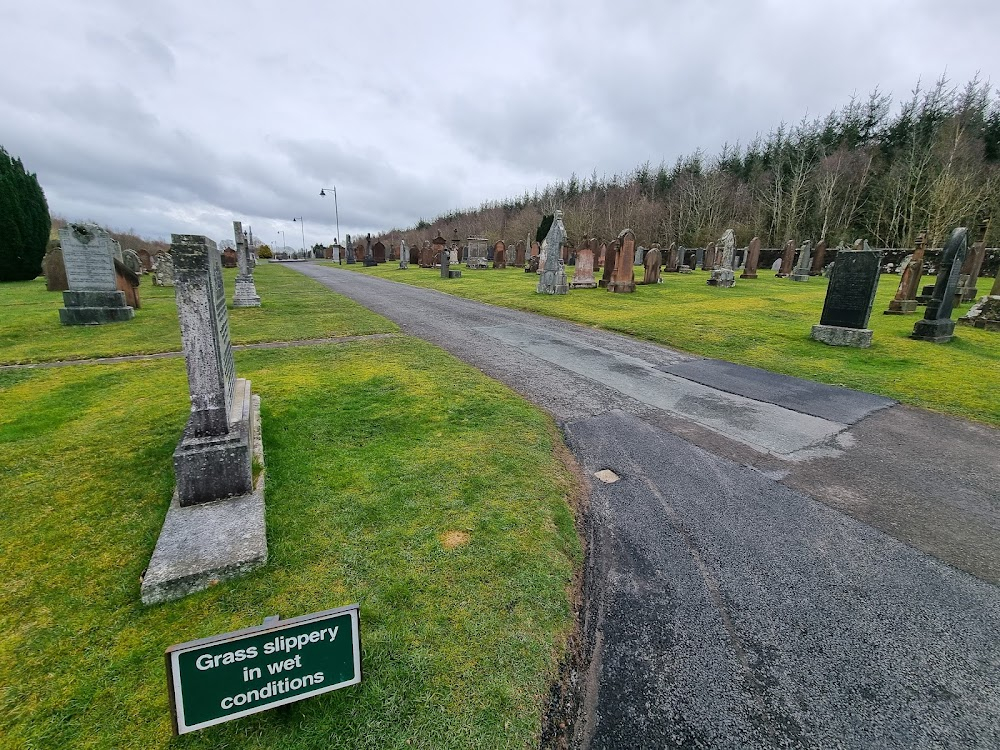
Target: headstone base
<point>748,275</point>
<point>684,269</point>
<point>860,338</point>
<point>454,274</point>
<point>901,307</point>
<point>935,331</point>
<point>246,292</point>
<point>722,277</point>
<point>370,262</point>
<point>553,282</point>
<point>94,308</point>
<point>201,545</point>
<point>799,276</point>
<point>621,287</point>
<point>583,285</point>
<point>215,467</point>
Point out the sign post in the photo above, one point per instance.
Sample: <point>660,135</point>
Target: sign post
<point>236,674</point>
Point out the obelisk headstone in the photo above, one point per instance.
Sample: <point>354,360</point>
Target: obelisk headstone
<point>623,279</point>
<point>245,294</point>
<point>93,296</point>
<point>553,273</point>
<point>937,325</point>
<point>752,259</point>
<point>849,298</point>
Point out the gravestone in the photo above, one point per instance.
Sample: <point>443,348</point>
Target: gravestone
<point>146,259</point>
<point>819,257</point>
<point>937,325</point>
<point>378,252</point>
<point>802,268</point>
<point>229,258</point>
<point>708,259</point>
<point>93,296</point>
<point>519,251</point>
<point>583,272</point>
<point>54,270</point>
<point>163,270</point>
<point>532,265</point>
<point>905,301</point>
<point>671,263</point>
<point>849,298</point>
<point>553,275</point>
<point>404,256</point>
<point>752,259</point>
<point>215,528</point>
<point>651,265</point>
<point>996,286</point>
<point>640,253</point>
<point>499,255</point>
<point>439,246</point>
<point>685,260</point>
<point>984,314</point>
<point>787,256</point>
<point>723,274</point>
<point>699,259</point>
<point>600,257</point>
<point>245,294</point>
<point>974,264</point>
<point>623,278</point>
<point>426,255</point>
<point>349,251</point>
<point>611,261</point>
<point>511,254</point>
<point>131,260</point>
<point>478,250</point>
<point>212,460</point>
<point>127,282</point>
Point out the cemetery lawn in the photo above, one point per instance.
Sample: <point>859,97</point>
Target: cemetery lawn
<point>293,308</point>
<point>763,322</point>
<point>397,477</point>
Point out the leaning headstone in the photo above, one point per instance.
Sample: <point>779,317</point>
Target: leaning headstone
<point>973,264</point>
<point>984,314</point>
<point>245,294</point>
<point>623,279</point>
<point>905,301</point>
<point>937,325</point>
<point>145,258</point>
<point>849,298</point>
<point>215,525</point>
<point>553,276</point>
<point>651,265</point>
<point>54,270</point>
<point>819,257</point>
<point>131,260</point>
<point>802,268</point>
<point>787,256</point>
<point>752,259</point>
<point>93,296</point>
<point>163,271</point>
<point>583,272</point>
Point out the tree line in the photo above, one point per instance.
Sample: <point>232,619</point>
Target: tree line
<point>866,170</point>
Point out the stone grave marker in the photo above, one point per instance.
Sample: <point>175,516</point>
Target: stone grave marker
<point>131,260</point>
<point>245,294</point>
<point>127,282</point>
<point>404,256</point>
<point>819,258</point>
<point>937,325</point>
<point>163,270</point>
<point>378,252</point>
<point>623,278</point>
<point>905,301</point>
<point>93,296</point>
<point>849,298</point>
<point>583,272</point>
<point>478,250</point>
<point>146,259</point>
<point>974,264</point>
<point>699,259</point>
<point>651,265</point>
<point>54,270</point>
<point>519,253</point>
<point>611,262</point>
<point>752,259</point>
<point>802,268</point>
<point>499,255</point>
<point>787,256</point>
<point>984,314</point>
<point>553,275</point>
<point>723,274</point>
<point>229,258</point>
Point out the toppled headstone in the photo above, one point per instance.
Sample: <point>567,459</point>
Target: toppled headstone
<point>553,274</point>
<point>93,296</point>
<point>849,299</point>
<point>937,325</point>
<point>245,294</point>
<point>984,314</point>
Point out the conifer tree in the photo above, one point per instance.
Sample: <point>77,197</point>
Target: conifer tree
<point>24,221</point>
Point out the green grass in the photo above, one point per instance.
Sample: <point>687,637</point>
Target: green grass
<point>294,307</point>
<point>765,323</point>
<point>374,451</point>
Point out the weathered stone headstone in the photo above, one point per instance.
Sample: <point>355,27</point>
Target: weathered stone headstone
<point>984,314</point>
<point>651,265</point>
<point>511,254</point>
<point>671,263</point>
<point>787,256</point>
<point>640,253</point>
<point>710,260</point>
<point>245,294</point>
<point>752,259</point>
<point>519,253</point>
<point>819,258</point>
<point>131,260</point>
<point>145,258</point>
<point>127,282</point>
<point>623,278</point>
<point>849,298</point>
<point>611,262</point>
<point>905,301</point>
<point>553,274</point>
<point>804,265</point>
<point>937,325</point>
<point>973,264</point>
<point>699,259</point>
<point>229,258</point>
<point>996,286</point>
<point>349,251</point>
<point>723,274</point>
<point>477,253</point>
<point>404,256</point>
<point>583,272</point>
<point>163,270</point>
<point>93,296</point>
<point>499,255</point>
<point>54,270</point>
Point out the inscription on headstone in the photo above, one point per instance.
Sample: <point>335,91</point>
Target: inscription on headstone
<point>849,299</point>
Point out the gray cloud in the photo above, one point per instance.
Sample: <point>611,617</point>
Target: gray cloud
<point>181,115</point>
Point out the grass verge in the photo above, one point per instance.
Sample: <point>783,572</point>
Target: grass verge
<point>763,322</point>
<point>294,307</point>
<point>397,477</point>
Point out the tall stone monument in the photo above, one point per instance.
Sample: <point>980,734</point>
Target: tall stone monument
<point>349,252</point>
<point>752,259</point>
<point>623,278</point>
<point>93,296</point>
<point>404,255</point>
<point>849,298</point>
<point>819,256</point>
<point>553,274</point>
<point>802,268</point>
<point>723,274</point>
<point>246,291</point>
<point>214,527</point>
<point>937,325</point>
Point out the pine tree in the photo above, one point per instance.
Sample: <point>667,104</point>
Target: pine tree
<point>24,221</point>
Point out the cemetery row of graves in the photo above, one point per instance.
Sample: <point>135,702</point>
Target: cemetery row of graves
<point>716,301</point>
<point>342,479</point>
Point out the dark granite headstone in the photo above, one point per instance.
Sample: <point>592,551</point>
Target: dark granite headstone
<point>852,288</point>
<point>937,325</point>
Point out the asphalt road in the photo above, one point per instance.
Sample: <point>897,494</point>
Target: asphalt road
<point>780,564</point>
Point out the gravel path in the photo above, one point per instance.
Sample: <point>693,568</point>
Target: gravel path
<point>779,565</point>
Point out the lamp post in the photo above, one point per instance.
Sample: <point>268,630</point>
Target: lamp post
<point>336,210</point>
<point>303,225</point>
<point>282,232</point>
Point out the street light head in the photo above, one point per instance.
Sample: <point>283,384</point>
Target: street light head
<point>322,192</point>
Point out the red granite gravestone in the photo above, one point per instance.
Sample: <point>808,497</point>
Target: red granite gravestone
<point>753,258</point>
<point>974,263</point>
<point>519,250</point>
<point>229,258</point>
<point>499,254</point>
<point>818,259</point>
<point>905,301</point>
<point>611,256</point>
<point>623,278</point>
<point>127,281</point>
<point>787,257</point>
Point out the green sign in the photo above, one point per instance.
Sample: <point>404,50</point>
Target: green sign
<point>227,676</point>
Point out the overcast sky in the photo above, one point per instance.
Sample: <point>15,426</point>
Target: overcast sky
<point>177,116</point>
